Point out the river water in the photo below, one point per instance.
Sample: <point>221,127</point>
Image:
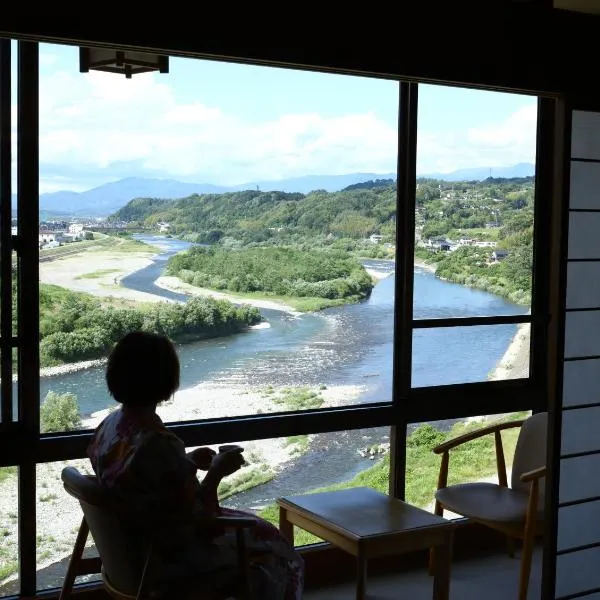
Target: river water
<point>349,345</point>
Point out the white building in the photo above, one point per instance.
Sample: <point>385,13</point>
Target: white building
<point>75,228</point>
<point>498,255</point>
<point>50,237</point>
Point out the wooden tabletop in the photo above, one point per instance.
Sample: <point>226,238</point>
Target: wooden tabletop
<point>362,512</point>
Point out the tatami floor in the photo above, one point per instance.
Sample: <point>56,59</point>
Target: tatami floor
<point>489,578</point>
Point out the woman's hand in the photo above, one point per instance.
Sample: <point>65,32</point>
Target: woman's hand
<point>226,463</point>
<point>202,457</point>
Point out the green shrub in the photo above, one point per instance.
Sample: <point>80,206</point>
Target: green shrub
<point>59,412</point>
<point>6,472</point>
<point>425,436</point>
<point>299,399</point>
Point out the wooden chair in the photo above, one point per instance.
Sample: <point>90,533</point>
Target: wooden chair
<point>517,511</point>
<point>126,558</point>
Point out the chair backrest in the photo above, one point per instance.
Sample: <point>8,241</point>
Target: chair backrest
<point>530,452</point>
<point>119,545</point>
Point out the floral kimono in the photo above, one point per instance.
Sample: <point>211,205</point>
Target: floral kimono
<point>146,468</point>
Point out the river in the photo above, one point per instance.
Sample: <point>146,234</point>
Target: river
<point>349,345</point>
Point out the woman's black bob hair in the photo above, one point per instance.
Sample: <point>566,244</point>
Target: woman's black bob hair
<point>143,369</point>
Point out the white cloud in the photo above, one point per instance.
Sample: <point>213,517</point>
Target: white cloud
<point>497,144</point>
<point>47,59</point>
<point>95,126</point>
<point>96,120</point>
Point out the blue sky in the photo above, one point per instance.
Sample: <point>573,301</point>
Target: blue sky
<point>226,123</point>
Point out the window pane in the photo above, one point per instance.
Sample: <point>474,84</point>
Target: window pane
<point>13,351</point>
<point>12,174</point>
<point>307,464</point>
<point>58,519</point>
<point>14,205</point>
<point>9,534</point>
<point>475,200</point>
<point>311,253</point>
<point>15,321</point>
<point>473,461</point>
<point>276,467</point>
<point>452,355</point>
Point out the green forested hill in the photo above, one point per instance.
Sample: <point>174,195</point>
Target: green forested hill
<point>254,216</point>
<point>356,212</point>
<point>499,211</point>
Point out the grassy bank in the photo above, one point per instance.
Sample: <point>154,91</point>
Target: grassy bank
<point>6,472</point>
<point>100,243</point>
<point>471,462</point>
<point>469,266</point>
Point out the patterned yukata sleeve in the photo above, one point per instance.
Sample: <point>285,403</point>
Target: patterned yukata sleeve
<point>164,476</point>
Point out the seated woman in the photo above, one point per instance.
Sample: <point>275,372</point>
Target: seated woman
<point>147,469</point>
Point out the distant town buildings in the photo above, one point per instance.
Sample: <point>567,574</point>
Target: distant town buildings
<point>48,237</point>
<point>441,244</point>
<point>56,233</point>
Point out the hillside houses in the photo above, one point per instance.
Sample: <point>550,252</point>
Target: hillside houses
<point>451,245</point>
<point>499,255</point>
<point>52,234</point>
<point>440,244</point>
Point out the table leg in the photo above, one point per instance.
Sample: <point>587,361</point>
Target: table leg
<point>285,527</point>
<point>442,568</point>
<point>361,576</point>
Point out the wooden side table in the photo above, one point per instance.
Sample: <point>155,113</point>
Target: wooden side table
<point>368,524</point>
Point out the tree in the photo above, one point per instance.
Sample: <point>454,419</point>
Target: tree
<point>59,412</point>
<point>353,224</point>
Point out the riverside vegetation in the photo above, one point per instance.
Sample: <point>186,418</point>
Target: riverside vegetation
<point>75,326</point>
<point>297,228</point>
<point>331,276</point>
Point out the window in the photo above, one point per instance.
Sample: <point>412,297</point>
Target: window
<point>307,250</point>
<point>9,531</point>
<point>58,519</point>
<point>308,463</point>
<point>283,213</point>
<point>8,222</point>
<point>475,191</point>
<point>470,462</point>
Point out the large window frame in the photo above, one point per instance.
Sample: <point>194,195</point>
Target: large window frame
<point>21,443</point>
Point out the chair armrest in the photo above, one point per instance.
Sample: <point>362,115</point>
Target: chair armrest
<point>535,474</point>
<point>236,522</point>
<point>473,435</point>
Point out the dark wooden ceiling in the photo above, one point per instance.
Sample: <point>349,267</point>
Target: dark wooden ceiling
<point>524,45</point>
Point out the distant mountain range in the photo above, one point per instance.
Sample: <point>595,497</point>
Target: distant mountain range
<point>108,198</point>
<point>480,173</point>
